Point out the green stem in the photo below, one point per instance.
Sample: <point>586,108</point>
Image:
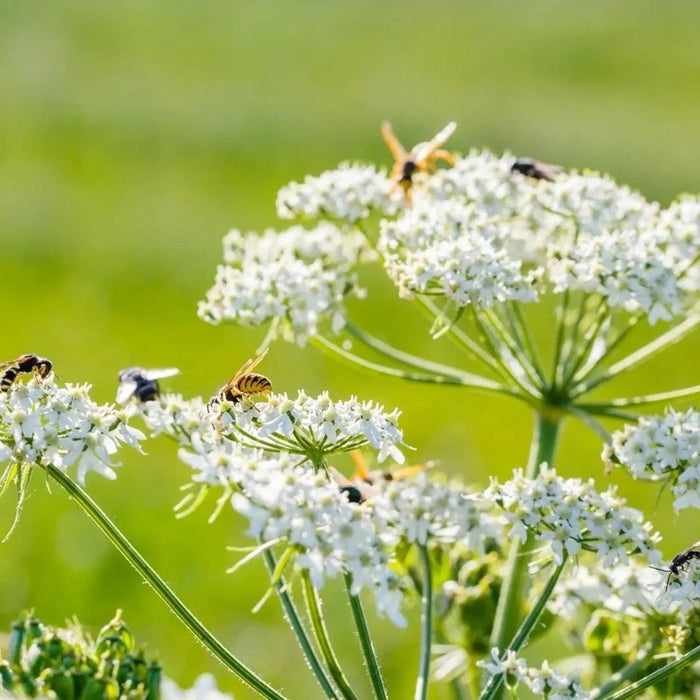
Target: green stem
<point>642,400</point>
<point>676,334</point>
<point>176,606</point>
<point>627,671</point>
<point>313,606</point>
<point>635,689</point>
<point>510,601</point>
<point>294,621</point>
<point>371,661</point>
<point>521,636</point>
<point>413,360</point>
<point>426,626</point>
<point>460,379</point>
<point>585,358</point>
<point>521,330</point>
<point>556,363</point>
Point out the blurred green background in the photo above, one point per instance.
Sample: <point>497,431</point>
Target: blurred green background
<point>133,135</point>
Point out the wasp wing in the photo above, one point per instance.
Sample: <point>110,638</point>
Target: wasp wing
<point>423,150</point>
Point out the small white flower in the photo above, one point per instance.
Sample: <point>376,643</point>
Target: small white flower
<point>204,688</point>
<point>296,278</point>
<point>351,192</point>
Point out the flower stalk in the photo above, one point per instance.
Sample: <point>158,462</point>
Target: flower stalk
<point>164,592</point>
<point>426,625</point>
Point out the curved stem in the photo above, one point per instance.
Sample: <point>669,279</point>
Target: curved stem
<point>558,344</point>
<point>635,689</point>
<point>676,334</point>
<point>521,332</point>
<point>642,400</point>
<point>510,601</point>
<point>426,625</point>
<point>292,616</point>
<point>176,606</point>
<point>525,629</point>
<point>313,606</point>
<point>455,380</point>
<point>412,360</point>
<point>375,675</point>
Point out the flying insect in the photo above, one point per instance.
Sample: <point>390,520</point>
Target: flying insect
<point>24,363</point>
<point>422,157</point>
<point>535,169</point>
<point>142,384</point>
<point>245,383</point>
<point>679,562</point>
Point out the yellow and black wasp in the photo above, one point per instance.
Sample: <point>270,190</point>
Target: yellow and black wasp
<point>142,384</point>
<point>245,383</point>
<point>24,363</point>
<point>422,157</point>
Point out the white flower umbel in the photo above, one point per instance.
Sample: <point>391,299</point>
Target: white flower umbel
<point>679,230</point>
<point>543,682</point>
<point>450,249</point>
<point>313,426</point>
<point>45,424</point>
<point>567,516</point>
<point>423,511</point>
<point>350,192</point>
<point>662,448</point>
<point>296,278</point>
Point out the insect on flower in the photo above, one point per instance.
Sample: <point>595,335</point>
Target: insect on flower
<point>245,383</point>
<point>422,157</point>
<point>363,483</point>
<point>535,169</point>
<point>680,560</point>
<point>142,384</point>
<point>25,363</point>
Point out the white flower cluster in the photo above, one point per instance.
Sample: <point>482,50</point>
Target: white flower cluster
<point>570,515</point>
<point>45,424</point>
<point>632,589</point>
<point>679,229</point>
<point>204,688</point>
<point>544,682</point>
<point>683,591</point>
<point>296,278</point>
<point>350,192</point>
<point>451,249</point>
<point>424,511</point>
<point>662,447</point>
<point>314,426</point>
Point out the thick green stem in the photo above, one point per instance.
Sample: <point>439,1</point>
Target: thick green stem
<point>371,661</point>
<point>524,631</point>
<point>636,688</point>
<point>426,619</point>
<point>313,606</point>
<point>292,616</point>
<point>510,601</point>
<point>176,606</point>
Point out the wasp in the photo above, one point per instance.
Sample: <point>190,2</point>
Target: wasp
<point>25,363</point>
<point>142,384</point>
<point>245,382</point>
<point>363,483</point>
<point>679,562</point>
<point>535,169</point>
<point>421,158</point>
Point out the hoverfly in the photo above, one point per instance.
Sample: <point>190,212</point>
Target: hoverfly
<point>363,483</point>
<point>142,384</point>
<point>421,158</point>
<point>535,169</point>
<point>24,363</point>
<point>680,560</point>
<point>245,383</point>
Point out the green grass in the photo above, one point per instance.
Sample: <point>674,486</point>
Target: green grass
<point>133,135</point>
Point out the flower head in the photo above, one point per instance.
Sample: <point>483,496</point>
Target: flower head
<point>567,516</point>
<point>350,192</point>
<point>297,278</point>
<point>46,424</point>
